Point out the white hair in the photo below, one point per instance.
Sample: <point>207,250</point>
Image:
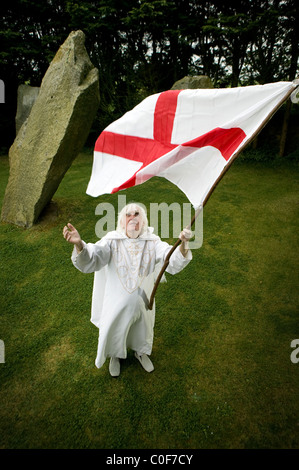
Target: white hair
<point>121,221</point>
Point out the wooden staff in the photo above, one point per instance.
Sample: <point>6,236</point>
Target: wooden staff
<point>177,243</point>
<point>166,262</point>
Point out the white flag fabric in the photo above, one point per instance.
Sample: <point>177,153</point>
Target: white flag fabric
<point>186,136</point>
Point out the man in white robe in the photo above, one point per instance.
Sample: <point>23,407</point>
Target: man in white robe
<point>124,263</point>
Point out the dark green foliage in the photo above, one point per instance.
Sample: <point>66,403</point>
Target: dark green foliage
<point>142,47</point>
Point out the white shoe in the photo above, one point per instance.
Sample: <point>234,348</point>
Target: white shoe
<point>114,367</point>
<point>145,362</point>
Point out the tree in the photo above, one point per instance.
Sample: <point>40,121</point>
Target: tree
<point>31,33</point>
<point>143,46</point>
<point>291,20</point>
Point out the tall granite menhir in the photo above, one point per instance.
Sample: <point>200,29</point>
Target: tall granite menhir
<point>54,133</point>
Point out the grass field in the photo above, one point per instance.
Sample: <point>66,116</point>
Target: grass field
<point>223,376</point>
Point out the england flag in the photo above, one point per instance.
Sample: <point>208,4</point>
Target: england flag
<point>189,137</point>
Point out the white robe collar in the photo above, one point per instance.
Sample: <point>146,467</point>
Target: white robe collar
<point>148,235</point>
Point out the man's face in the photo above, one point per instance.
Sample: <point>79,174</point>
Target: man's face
<point>133,222</point>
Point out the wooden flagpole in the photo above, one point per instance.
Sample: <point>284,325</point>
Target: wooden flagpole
<point>166,261</point>
<point>178,242</point>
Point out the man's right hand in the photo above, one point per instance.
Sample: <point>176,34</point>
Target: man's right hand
<point>72,236</point>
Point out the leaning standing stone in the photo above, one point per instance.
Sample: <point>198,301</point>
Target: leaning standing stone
<point>193,82</point>
<point>54,133</point>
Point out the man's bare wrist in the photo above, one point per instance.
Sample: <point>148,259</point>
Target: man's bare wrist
<point>79,247</point>
<point>184,248</point>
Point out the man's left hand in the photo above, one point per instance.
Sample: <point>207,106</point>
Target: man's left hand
<point>185,235</point>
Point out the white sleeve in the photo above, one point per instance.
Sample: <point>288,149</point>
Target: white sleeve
<point>93,257</point>
<point>177,261</point>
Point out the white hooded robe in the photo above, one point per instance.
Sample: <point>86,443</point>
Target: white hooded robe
<point>124,275</point>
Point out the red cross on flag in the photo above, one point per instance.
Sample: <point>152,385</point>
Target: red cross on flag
<point>188,137</point>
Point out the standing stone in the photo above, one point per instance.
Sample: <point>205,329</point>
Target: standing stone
<point>26,98</point>
<point>193,82</point>
<point>2,92</point>
<point>54,133</point>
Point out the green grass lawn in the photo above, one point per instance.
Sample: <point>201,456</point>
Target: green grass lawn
<point>223,376</point>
